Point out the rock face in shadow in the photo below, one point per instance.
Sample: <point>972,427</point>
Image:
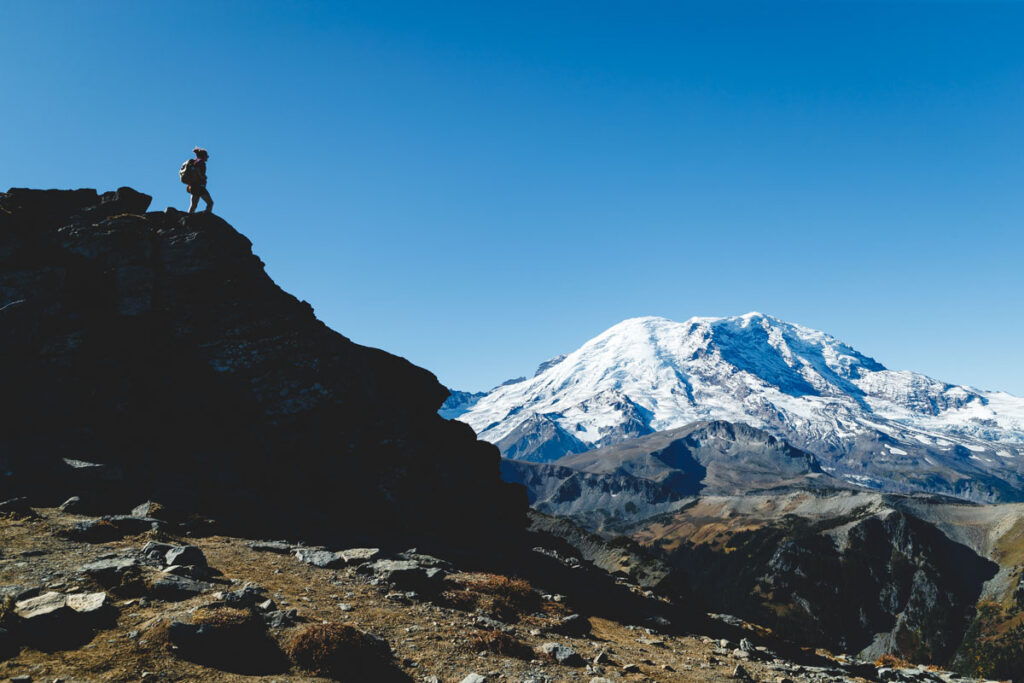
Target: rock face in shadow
<point>887,583</point>
<point>155,345</point>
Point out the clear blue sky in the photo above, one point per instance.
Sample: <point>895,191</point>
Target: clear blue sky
<point>479,186</point>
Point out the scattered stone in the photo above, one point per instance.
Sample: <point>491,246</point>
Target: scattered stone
<point>147,509</point>
<point>281,618</point>
<point>357,556</point>
<point>172,587</point>
<point>185,555</point>
<point>156,552</point>
<point>573,625</point>
<point>492,624</point>
<point>249,595</point>
<point>318,557</point>
<point>71,504</point>
<point>562,654</point>
<point>130,525</point>
<point>631,668</point>
<point>191,571</point>
<point>111,572</point>
<point>474,678</point>
<point>279,547</point>
<point>405,574</point>
<point>345,607</point>
<point>740,673</point>
<point>653,642</point>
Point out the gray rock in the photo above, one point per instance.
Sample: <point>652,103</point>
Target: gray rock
<point>71,504</point>
<point>281,618</point>
<point>280,547</point>
<point>192,571</point>
<point>156,552</point>
<point>171,587</point>
<point>631,668</point>
<point>318,557</point>
<point>741,673</point>
<point>492,624</point>
<point>185,555</point>
<point>249,595</point>
<point>406,574</point>
<point>110,572</point>
<point>572,625</point>
<point>130,525</point>
<point>41,606</point>
<point>562,654</point>
<point>146,509</point>
<point>356,556</point>
<point>474,678</point>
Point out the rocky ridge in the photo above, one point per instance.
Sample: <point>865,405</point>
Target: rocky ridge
<point>149,352</point>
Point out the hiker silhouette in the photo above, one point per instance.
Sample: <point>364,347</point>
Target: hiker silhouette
<point>193,174</point>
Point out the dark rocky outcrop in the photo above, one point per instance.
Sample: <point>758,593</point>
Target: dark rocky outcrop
<point>889,583</point>
<point>155,346</point>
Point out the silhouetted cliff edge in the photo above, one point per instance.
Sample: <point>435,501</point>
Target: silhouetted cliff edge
<point>149,356</point>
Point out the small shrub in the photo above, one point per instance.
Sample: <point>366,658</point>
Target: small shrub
<point>893,662</point>
<point>506,598</point>
<point>501,644</point>
<point>337,650</point>
<point>460,599</point>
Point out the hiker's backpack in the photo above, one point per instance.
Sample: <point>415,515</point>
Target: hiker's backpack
<point>188,172</point>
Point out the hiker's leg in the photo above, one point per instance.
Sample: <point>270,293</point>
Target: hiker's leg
<point>209,201</point>
<point>194,203</point>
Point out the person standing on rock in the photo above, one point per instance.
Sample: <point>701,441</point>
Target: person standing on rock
<point>193,174</point>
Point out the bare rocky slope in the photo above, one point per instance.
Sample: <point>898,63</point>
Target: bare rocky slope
<point>150,352</point>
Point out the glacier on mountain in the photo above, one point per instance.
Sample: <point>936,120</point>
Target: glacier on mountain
<point>892,430</point>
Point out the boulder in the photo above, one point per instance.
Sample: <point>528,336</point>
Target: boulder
<point>156,552</point>
<point>185,555</point>
<point>562,654</point>
<point>406,575</point>
<point>57,621</point>
<point>71,504</point>
<point>280,547</point>
<point>474,678</point>
<point>111,572</point>
<point>249,595</point>
<point>572,625</point>
<point>281,618</point>
<point>227,639</point>
<point>172,587</point>
<point>318,557</point>
<point>357,556</point>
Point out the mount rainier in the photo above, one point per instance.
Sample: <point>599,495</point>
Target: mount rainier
<point>895,431</point>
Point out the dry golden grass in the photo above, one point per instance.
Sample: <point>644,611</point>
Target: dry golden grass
<point>500,643</point>
<point>893,662</point>
<point>334,650</point>
<point>503,597</point>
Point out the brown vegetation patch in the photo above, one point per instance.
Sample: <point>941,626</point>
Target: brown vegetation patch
<point>893,662</point>
<point>336,650</point>
<point>501,643</point>
<point>503,597</point>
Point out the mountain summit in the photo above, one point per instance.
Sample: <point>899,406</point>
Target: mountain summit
<point>880,428</point>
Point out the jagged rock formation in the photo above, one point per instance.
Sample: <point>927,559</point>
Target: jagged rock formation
<point>149,356</point>
<point>852,570</point>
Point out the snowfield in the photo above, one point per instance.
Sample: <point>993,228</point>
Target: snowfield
<point>650,374</point>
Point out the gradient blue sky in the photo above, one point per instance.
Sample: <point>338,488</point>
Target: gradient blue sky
<point>479,186</point>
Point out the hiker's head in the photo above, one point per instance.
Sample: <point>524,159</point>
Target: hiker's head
<point>201,153</point>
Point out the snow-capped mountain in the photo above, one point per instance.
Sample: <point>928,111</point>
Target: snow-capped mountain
<point>884,429</point>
